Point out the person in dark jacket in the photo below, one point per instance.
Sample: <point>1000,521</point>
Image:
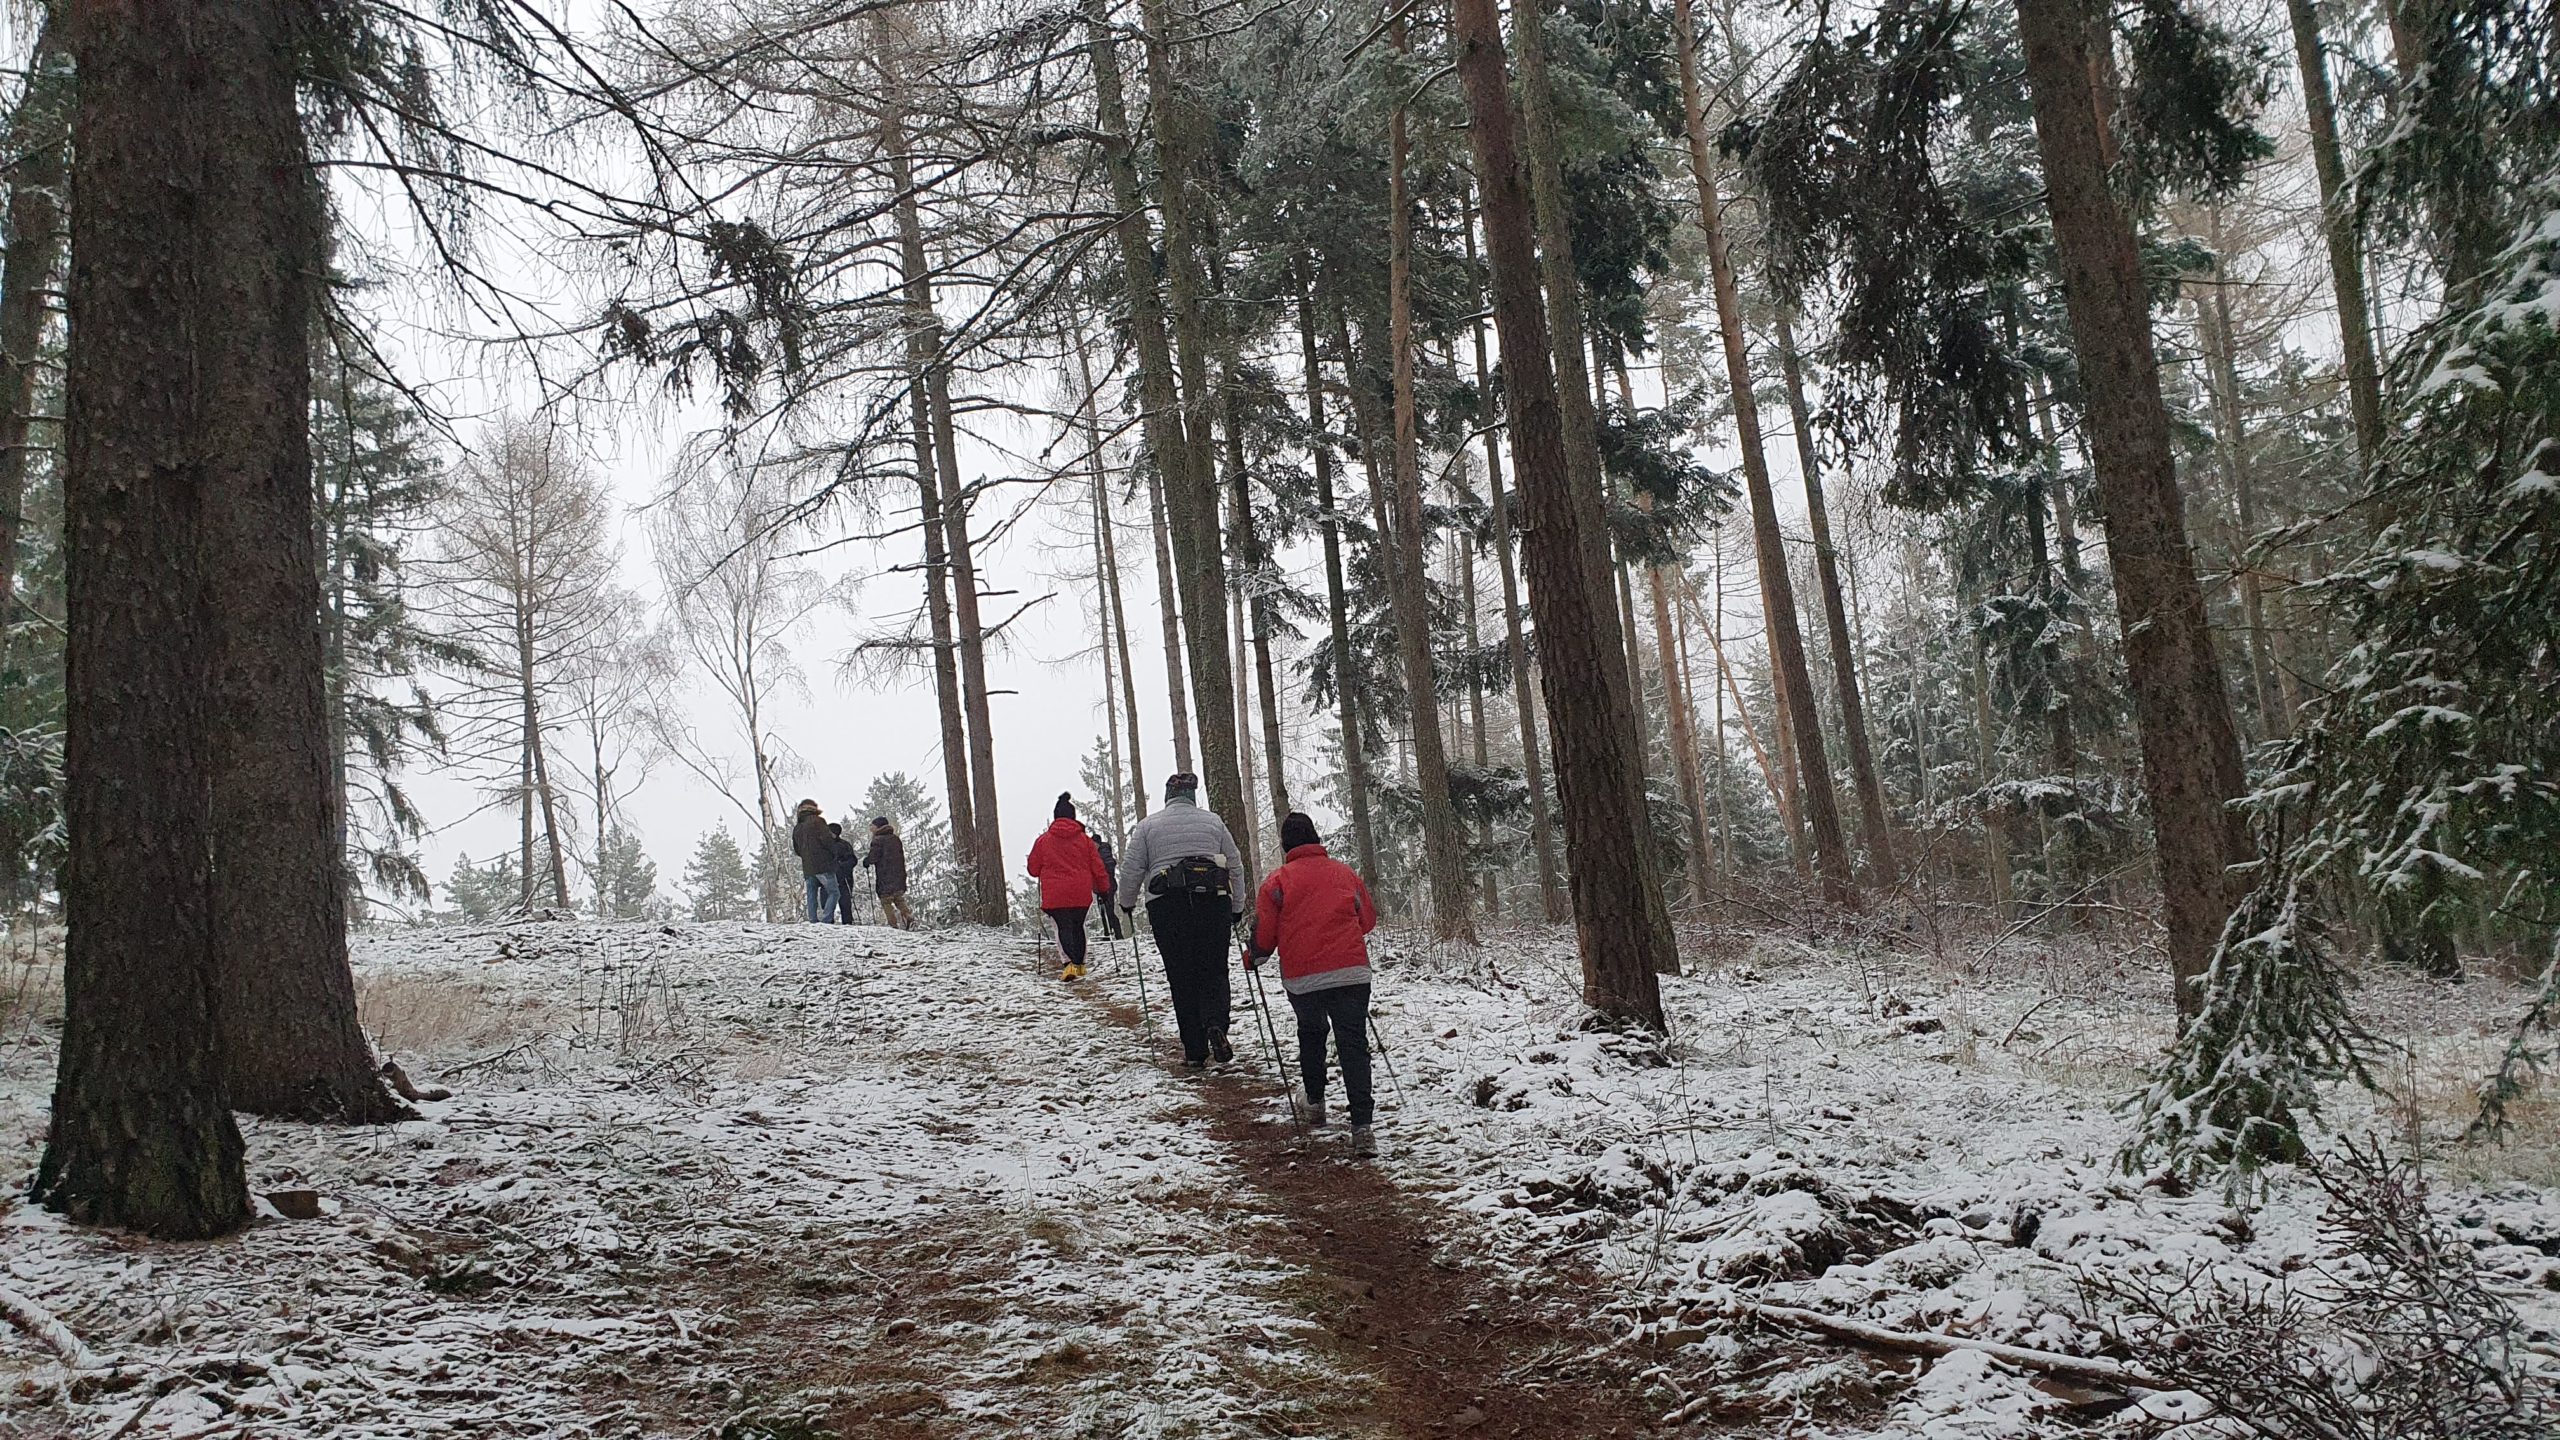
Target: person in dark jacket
<point>816,848</point>
<point>1070,873</point>
<point>1316,914</point>
<point>887,862</point>
<point>1184,866</point>
<point>1110,913</point>
<point>848,860</point>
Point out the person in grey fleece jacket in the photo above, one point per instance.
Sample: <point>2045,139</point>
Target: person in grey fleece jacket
<point>1185,867</point>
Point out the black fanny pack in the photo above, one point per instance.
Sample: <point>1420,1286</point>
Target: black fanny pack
<point>1196,875</point>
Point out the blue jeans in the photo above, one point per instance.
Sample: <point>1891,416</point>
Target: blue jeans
<point>822,898</point>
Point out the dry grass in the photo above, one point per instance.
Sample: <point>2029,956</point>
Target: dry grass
<point>30,979</point>
<point>435,1015</point>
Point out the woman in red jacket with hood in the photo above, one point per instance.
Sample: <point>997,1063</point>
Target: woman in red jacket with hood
<point>1317,914</point>
<point>1070,873</point>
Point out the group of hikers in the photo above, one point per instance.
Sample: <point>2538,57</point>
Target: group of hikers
<point>1184,866</point>
<point>829,862</point>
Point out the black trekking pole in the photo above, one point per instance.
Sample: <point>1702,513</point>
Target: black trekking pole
<point>1130,923</point>
<point>1271,1042</point>
<point>1378,1043</point>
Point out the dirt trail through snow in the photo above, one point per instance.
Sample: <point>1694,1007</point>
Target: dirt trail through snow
<point>1451,1341</point>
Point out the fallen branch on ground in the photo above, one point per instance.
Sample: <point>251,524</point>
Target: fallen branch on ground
<point>2088,1369</point>
<point>44,1326</point>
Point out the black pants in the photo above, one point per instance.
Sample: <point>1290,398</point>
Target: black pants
<point>1070,933</point>
<point>1193,933</point>
<point>1344,1010</point>
<point>1110,916</point>
<point>844,896</point>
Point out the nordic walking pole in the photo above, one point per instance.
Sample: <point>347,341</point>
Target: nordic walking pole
<point>1130,920</point>
<point>1271,1041</point>
<point>1378,1043</point>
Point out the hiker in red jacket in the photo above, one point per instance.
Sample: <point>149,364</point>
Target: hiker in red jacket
<point>1070,873</point>
<point>1317,914</point>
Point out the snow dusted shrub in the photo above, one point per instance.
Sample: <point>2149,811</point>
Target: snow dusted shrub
<point>2392,1335</point>
<point>2421,793</point>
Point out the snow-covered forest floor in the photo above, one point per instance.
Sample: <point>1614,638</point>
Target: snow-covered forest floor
<point>792,1182</point>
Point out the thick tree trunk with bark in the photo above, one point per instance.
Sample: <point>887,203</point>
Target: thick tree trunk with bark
<point>1551,214</point>
<point>285,999</point>
<point>1873,818</point>
<point>1443,848</point>
<point>1777,588</point>
<point>177,103</point>
<point>1623,930</point>
<point>2190,749</point>
<point>1355,757</point>
<point>38,144</point>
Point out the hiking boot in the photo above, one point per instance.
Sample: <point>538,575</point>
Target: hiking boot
<point>1313,1110</point>
<point>1072,972</point>
<point>1219,1047</point>
<point>1363,1142</point>
<point>1190,1064</point>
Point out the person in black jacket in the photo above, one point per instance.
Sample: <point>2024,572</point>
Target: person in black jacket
<point>887,862</point>
<point>848,860</point>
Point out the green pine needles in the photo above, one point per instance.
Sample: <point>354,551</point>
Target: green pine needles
<point>2422,794</point>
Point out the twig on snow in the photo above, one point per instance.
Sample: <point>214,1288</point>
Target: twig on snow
<point>2088,1369</point>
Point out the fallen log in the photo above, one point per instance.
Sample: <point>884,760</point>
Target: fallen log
<point>2086,1369</point>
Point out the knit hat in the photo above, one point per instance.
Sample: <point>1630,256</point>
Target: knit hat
<point>808,807</point>
<point>879,822</point>
<point>1298,830</point>
<point>835,827</point>
<point>1180,783</point>
<point>1065,808</point>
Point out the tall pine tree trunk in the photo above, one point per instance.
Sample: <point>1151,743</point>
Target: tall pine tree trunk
<point>1191,488</point>
<point>1620,923</point>
<point>2338,228</point>
<point>1159,404</point>
<point>175,151</point>
<point>1117,610</point>
<point>982,859</point>
<point>1355,753</point>
<point>2222,369</point>
<point>285,999</point>
<point>2190,749</point>
<point>1777,588</point>
<point>1551,217</point>
<point>1551,895</point>
<point>936,484</point>
<point>937,605</point>
<point>1443,848</point>
<point>1873,818</point>
<point>38,142</point>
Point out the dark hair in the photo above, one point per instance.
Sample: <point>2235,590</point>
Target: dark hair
<point>1298,830</point>
<point>836,825</point>
<point>1066,807</point>
<point>879,822</point>
<point>1181,782</point>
